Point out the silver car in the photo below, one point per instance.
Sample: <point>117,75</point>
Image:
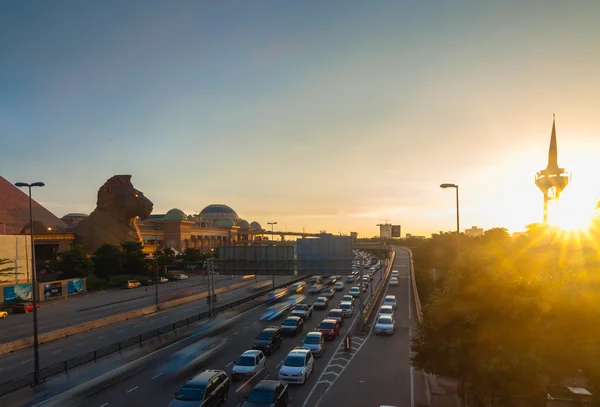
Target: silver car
<point>390,300</point>
<point>385,325</point>
<point>315,342</point>
<point>347,309</point>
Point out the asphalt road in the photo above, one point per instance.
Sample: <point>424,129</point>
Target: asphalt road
<point>156,389</point>
<point>380,373</point>
<point>89,307</point>
<point>21,363</point>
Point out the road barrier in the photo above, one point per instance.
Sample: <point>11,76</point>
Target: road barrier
<point>374,299</point>
<point>138,340</point>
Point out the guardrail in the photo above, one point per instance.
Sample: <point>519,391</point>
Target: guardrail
<point>380,288</point>
<point>414,284</point>
<point>138,340</point>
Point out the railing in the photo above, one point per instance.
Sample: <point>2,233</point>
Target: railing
<point>374,299</point>
<point>138,340</point>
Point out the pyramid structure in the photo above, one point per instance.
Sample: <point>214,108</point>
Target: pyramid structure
<point>14,210</point>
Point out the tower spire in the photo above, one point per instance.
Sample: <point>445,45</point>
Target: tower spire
<point>553,150</point>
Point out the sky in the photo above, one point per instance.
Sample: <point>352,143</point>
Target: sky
<point>335,115</point>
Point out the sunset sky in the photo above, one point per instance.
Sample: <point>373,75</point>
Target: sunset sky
<point>334,115</point>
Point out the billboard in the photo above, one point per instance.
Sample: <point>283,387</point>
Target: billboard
<point>324,255</point>
<point>396,230</point>
<point>265,260</point>
<point>52,290</point>
<point>17,292</point>
<point>75,287</point>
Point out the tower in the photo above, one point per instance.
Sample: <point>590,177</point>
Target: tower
<point>553,180</point>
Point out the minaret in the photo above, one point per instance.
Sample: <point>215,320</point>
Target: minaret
<point>553,180</point>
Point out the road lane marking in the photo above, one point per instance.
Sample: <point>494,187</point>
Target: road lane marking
<point>277,367</point>
<point>239,404</point>
<point>120,330</point>
<point>135,326</point>
<point>165,317</point>
<point>229,364</point>
<point>130,390</point>
<point>158,375</point>
<point>56,351</point>
<point>80,343</point>
<point>104,405</point>
<point>26,360</point>
<point>250,379</point>
<point>245,327</point>
<point>235,333</point>
<point>102,337</point>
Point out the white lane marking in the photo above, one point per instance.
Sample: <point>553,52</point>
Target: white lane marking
<point>120,330</point>
<point>229,364</point>
<point>165,317</point>
<point>135,326</point>
<point>26,360</point>
<point>130,390</point>
<point>80,343</point>
<point>245,327</point>
<point>235,333</point>
<point>239,404</point>
<point>104,405</point>
<point>102,337</point>
<point>250,379</point>
<point>158,375</point>
<point>56,351</point>
<point>277,367</point>
<point>267,376</point>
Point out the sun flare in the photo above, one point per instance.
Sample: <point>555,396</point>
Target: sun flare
<point>576,216</point>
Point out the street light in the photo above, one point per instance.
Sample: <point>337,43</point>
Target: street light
<point>272,237</point>
<point>34,288</point>
<point>457,211</point>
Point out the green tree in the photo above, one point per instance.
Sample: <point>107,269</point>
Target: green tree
<point>166,257</point>
<point>134,259</point>
<point>192,255</point>
<point>108,261</point>
<point>73,263</point>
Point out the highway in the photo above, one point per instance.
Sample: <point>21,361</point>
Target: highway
<point>155,387</point>
<point>21,363</point>
<point>58,314</point>
<point>380,373</point>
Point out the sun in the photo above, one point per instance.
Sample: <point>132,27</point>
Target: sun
<point>572,215</point>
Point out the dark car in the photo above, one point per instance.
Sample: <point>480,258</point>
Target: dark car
<point>208,388</point>
<point>337,314</point>
<point>268,393</point>
<point>268,340</point>
<point>330,328</point>
<point>303,311</point>
<point>315,289</point>
<point>331,280</point>
<point>329,293</point>
<point>321,303</point>
<point>315,280</point>
<point>24,308</point>
<point>292,326</point>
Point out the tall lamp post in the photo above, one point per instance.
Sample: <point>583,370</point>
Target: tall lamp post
<point>34,287</point>
<point>457,211</point>
<point>272,237</point>
<point>156,254</point>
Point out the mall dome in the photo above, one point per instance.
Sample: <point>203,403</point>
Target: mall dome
<point>219,211</point>
<point>225,224</point>
<point>175,214</point>
<point>255,225</point>
<point>243,224</point>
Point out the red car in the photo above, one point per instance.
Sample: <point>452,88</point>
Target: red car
<point>330,328</point>
<point>24,308</point>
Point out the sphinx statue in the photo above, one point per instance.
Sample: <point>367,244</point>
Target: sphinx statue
<point>114,220</point>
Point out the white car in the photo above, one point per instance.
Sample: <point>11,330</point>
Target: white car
<point>385,310</point>
<point>348,298</point>
<point>354,292</point>
<point>181,277</point>
<point>347,309</point>
<point>315,341</point>
<point>390,300</point>
<point>248,364</point>
<point>297,366</point>
<point>385,325</point>
<point>394,281</point>
<point>395,273</point>
<point>163,280</point>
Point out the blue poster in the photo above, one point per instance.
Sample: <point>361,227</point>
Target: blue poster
<point>52,290</point>
<point>17,292</point>
<point>75,286</point>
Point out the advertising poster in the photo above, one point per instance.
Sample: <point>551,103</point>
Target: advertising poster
<point>396,230</point>
<point>52,290</point>
<point>17,292</point>
<point>75,286</point>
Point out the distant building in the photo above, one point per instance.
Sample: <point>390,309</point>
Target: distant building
<point>385,231</point>
<point>474,232</point>
<point>354,235</point>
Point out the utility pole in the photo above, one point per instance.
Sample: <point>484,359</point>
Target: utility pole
<point>211,286</point>
<point>156,270</point>
<point>360,297</point>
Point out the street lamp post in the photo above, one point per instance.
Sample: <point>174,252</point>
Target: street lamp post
<point>272,237</point>
<point>156,254</point>
<point>34,287</point>
<point>457,211</point>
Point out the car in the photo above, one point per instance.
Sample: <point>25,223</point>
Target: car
<point>274,312</point>
<point>274,296</point>
<point>24,308</point>
<point>163,280</point>
<point>347,298</point>
<point>385,325</point>
<point>339,286</point>
<point>297,287</point>
<point>321,303</point>
<point>181,276</point>
<point>329,293</point>
<point>337,314</point>
<point>347,308</point>
<point>132,284</point>
<point>303,311</point>
<point>394,281</point>
<point>385,310</point>
<point>390,300</point>
<point>330,328</point>
<point>297,366</point>
<point>315,280</point>
<point>268,393</point>
<point>315,289</point>
<point>208,388</point>
<point>368,278</point>
<point>395,273</point>
<point>248,364</point>
<point>268,340</point>
<point>315,341</point>
<point>3,314</point>
<point>349,279</point>
<point>292,326</point>
<point>331,280</point>
<point>354,292</point>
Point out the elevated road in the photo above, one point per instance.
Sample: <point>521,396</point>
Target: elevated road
<point>154,387</point>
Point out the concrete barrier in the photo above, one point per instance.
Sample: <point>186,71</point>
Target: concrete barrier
<point>374,300</point>
<point>25,343</point>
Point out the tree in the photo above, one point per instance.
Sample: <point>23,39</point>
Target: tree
<point>108,261</point>
<point>73,263</point>
<point>166,256</point>
<point>134,259</point>
<point>6,270</point>
<point>192,255</point>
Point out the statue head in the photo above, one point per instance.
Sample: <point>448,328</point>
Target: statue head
<point>118,197</point>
